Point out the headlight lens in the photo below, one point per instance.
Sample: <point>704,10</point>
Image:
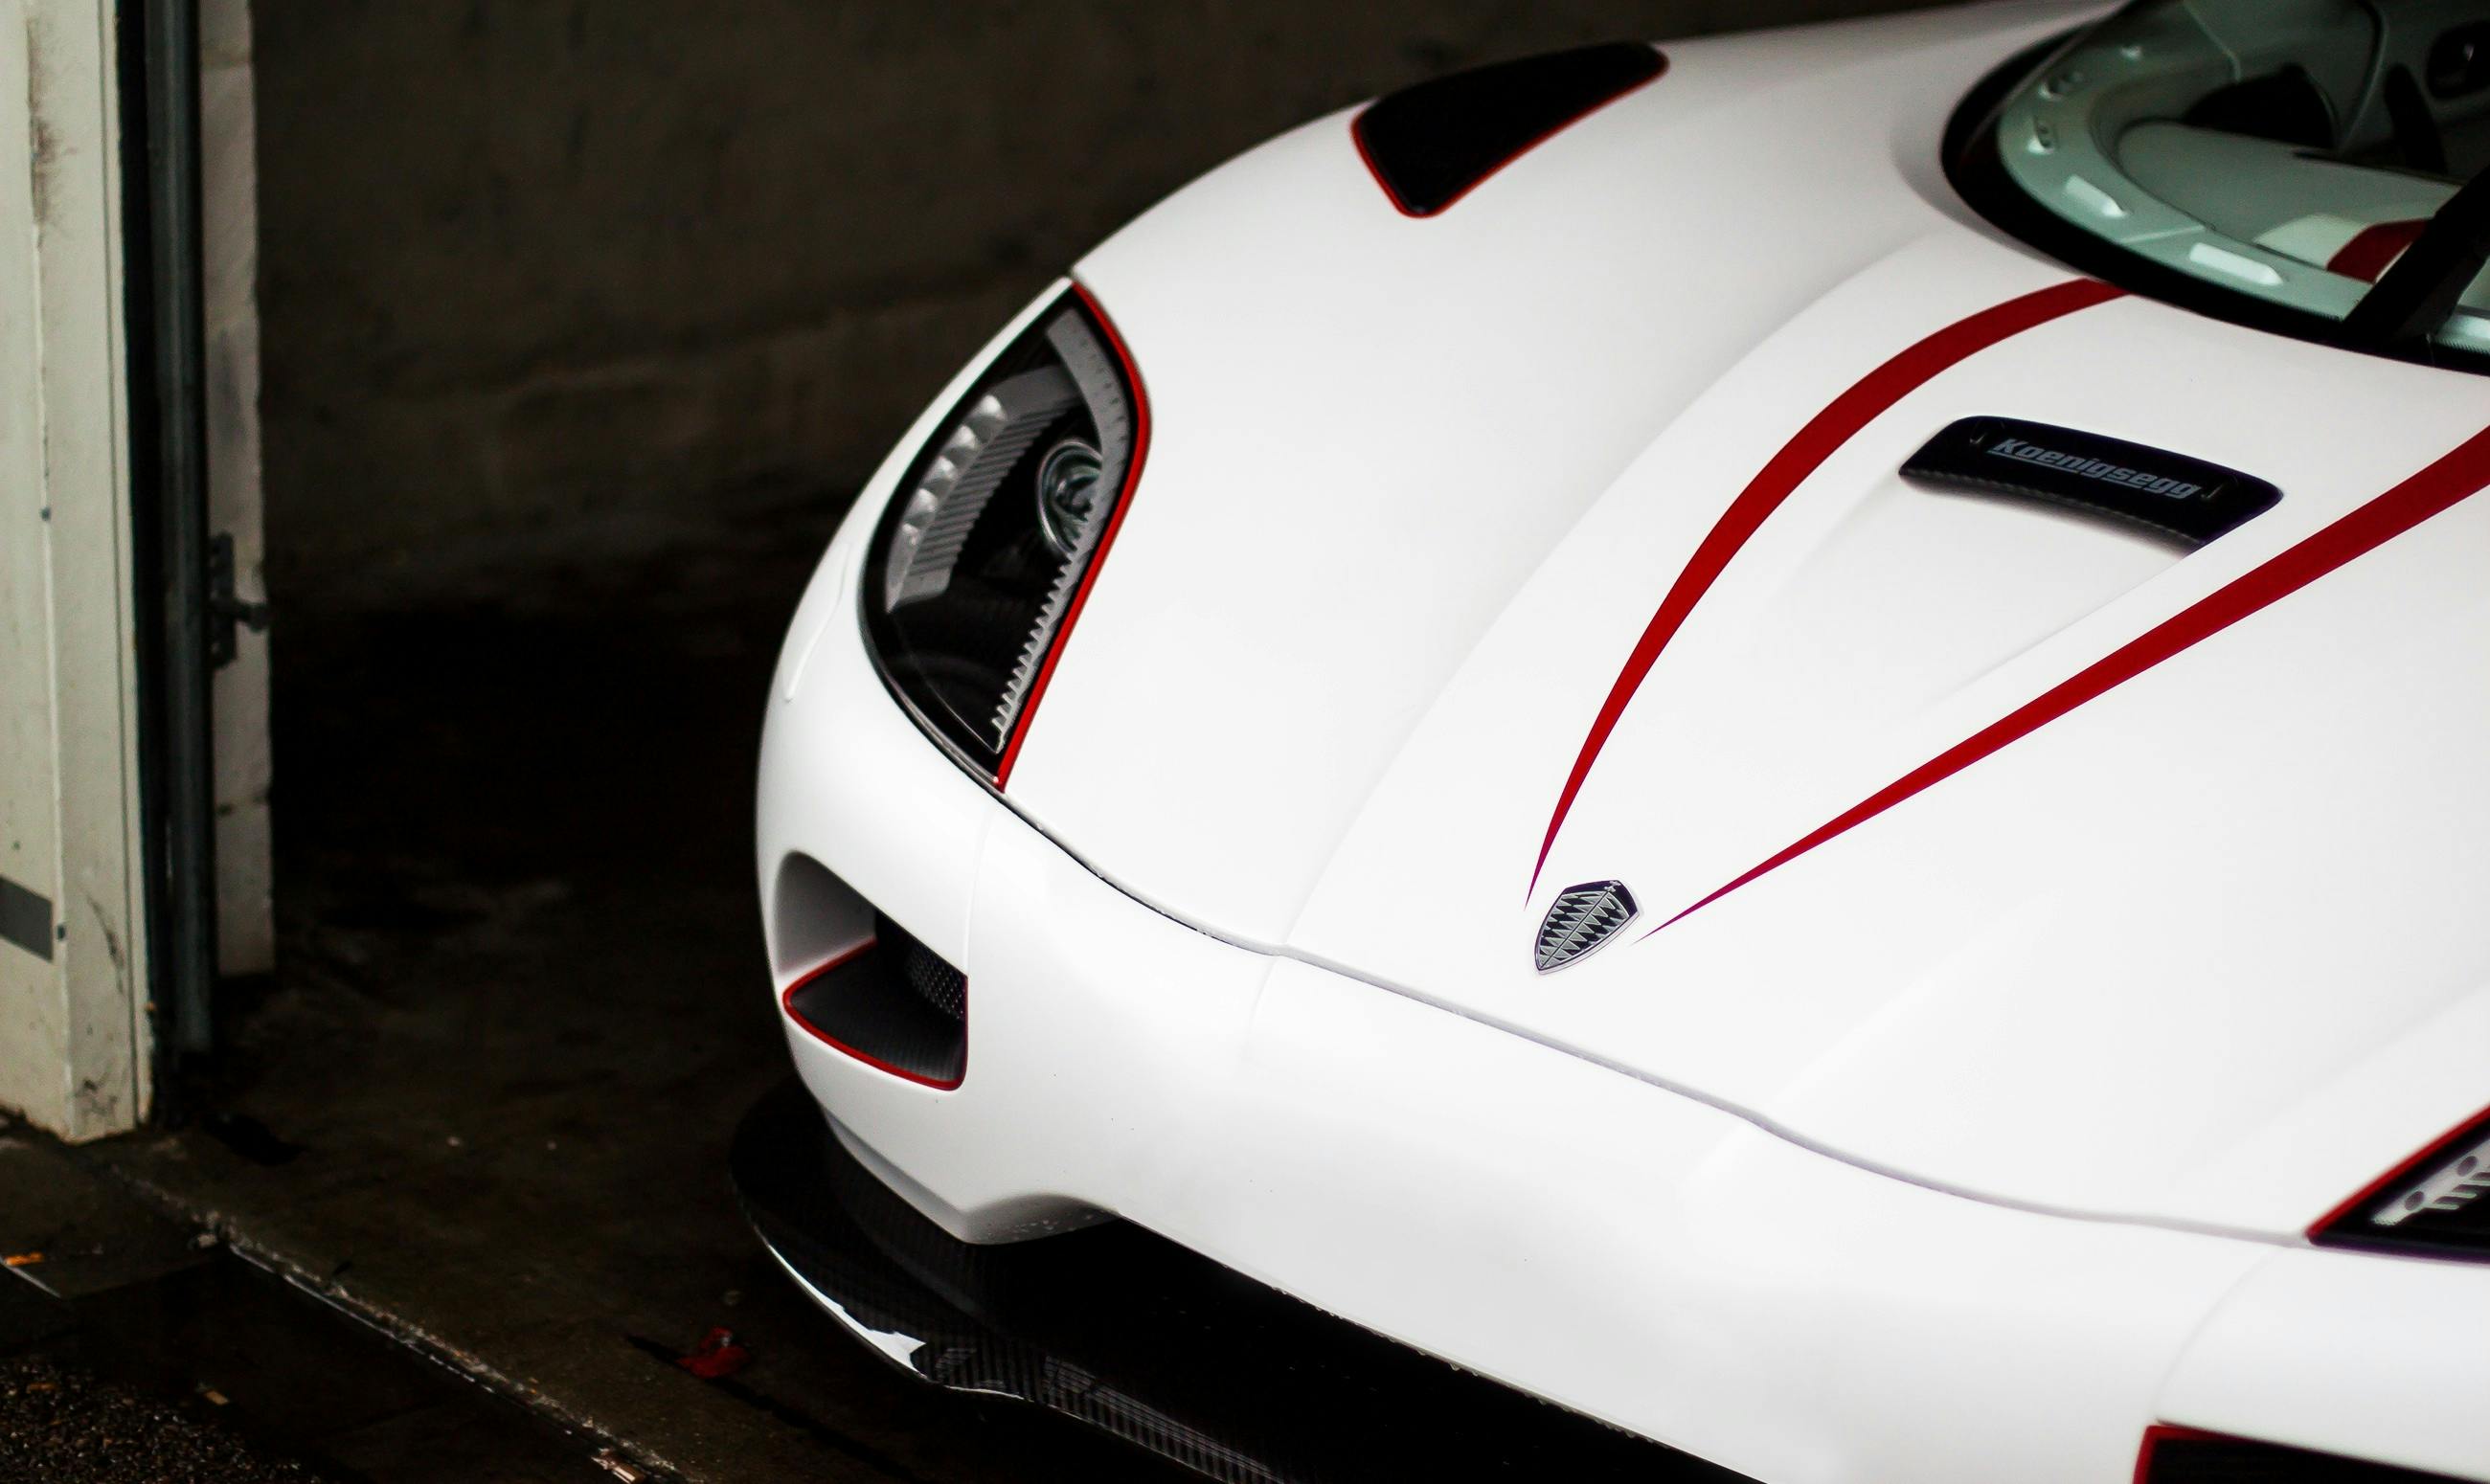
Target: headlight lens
<point>982,560</point>
<point>2435,1204</point>
<point>1067,492</point>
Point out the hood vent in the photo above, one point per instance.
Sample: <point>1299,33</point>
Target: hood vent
<point>2184,500</point>
<point>1429,145</point>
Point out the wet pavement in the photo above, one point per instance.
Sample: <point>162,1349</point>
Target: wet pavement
<point>63,1424</point>
<point>134,1346</point>
<point>485,1102</point>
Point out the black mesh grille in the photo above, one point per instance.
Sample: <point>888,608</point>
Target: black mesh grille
<point>941,985</point>
<point>897,1004</point>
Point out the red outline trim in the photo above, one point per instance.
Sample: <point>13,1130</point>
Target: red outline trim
<point>787,1003</point>
<point>2374,248</point>
<point>2476,1126</point>
<point>2160,1433</point>
<point>1357,136</point>
<point>1106,538</point>
<point>1826,432</point>
<point>2452,477</point>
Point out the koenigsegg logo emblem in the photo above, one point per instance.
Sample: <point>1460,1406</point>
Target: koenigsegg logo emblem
<point>1582,919</point>
<point>2092,469</point>
<point>2167,495</point>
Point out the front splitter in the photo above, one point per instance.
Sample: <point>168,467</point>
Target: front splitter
<point>1128,1332</point>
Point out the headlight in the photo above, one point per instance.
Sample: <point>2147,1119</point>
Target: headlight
<point>2435,1204</point>
<point>982,561</point>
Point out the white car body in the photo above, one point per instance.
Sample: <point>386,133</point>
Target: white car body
<point>1967,1144</point>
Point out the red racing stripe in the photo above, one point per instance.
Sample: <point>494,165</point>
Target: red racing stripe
<point>2374,249</point>
<point>2457,474</point>
<point>1813,444</point>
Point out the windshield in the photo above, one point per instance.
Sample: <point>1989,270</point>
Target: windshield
<point>2285,154</point>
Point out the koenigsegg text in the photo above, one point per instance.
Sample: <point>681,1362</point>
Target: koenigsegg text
<point>2092,469</point>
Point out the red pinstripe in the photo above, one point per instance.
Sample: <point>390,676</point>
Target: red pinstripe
<point>2455,475</point>
<point>1827,431</point>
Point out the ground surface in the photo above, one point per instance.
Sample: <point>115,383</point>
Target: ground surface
<point>136,1347</point>
<point>522,1004</point>
<point>61,1424</point>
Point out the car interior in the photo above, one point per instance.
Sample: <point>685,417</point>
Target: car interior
<point>2292,149</point>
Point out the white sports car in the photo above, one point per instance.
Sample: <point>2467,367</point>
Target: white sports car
<point>1782,741</point>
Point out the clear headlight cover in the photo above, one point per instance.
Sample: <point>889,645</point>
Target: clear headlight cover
<point>984,556</point>
<point>2436,1204</point>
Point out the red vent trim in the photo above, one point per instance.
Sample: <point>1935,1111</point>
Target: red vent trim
<point>787,1003</point>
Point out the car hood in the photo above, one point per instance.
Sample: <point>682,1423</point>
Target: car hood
<point>2072,900</point>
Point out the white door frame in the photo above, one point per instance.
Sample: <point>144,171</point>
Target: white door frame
<point>74,1037</point>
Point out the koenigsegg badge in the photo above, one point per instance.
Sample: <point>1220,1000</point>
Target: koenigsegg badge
<point>2181,497</point>
<point>1582,919</point>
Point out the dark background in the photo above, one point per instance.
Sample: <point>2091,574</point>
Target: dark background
<point>525,262</point>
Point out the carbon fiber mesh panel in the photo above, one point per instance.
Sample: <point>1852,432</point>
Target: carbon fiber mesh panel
<point>937,982</point>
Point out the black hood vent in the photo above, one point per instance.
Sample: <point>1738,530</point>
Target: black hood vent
<point>1430,144</point>
<point>2185,499</point>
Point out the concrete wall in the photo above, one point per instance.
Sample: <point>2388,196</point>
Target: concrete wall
<point>525,260</point>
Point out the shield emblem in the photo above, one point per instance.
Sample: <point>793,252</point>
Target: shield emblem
<point>1582,919</point>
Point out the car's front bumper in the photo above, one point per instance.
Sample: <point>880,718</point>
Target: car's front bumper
<point>1134,1336</point>
<point>1631,1253</point>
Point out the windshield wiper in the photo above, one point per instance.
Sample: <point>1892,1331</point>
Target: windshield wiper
<point>2415,297</point>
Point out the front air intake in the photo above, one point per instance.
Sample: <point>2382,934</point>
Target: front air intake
<point>892,1002</point>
